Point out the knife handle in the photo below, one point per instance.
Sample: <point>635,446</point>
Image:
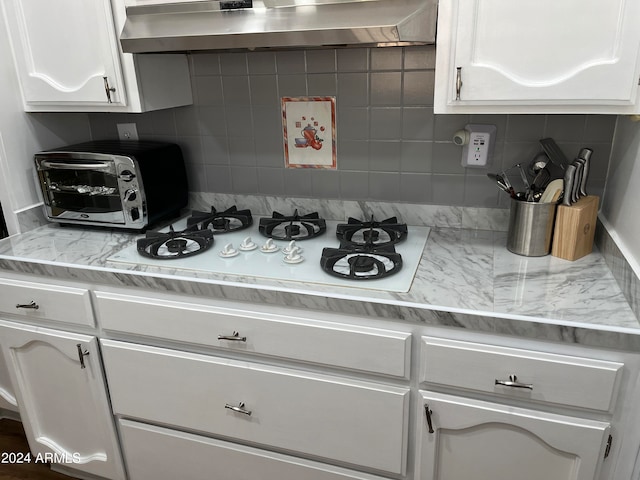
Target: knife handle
<point>568,184</point>
<point>577,179</point>
<point>585,154</point>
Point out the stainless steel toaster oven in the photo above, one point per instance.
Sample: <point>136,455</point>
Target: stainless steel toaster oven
<point>122,184</point>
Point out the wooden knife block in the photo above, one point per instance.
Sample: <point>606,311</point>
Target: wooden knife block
<point>575,228</point>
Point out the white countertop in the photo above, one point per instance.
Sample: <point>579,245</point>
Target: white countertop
<point>466,278</point>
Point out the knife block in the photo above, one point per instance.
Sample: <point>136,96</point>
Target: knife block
<point>575,228</point>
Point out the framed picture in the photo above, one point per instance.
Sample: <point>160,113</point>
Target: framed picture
<point>309,132</point>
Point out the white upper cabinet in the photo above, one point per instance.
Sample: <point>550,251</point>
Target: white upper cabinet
<point>68,58</point>
<point>574,56</point>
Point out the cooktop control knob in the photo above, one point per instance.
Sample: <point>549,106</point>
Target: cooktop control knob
<point>130,195</point>
<point>127,175</point>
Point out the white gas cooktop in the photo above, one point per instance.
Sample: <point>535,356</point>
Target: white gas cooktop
<point>272,266</point>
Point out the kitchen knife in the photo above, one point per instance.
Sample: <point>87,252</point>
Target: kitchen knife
<point>577,181</point>
<point>585,154</point>
<point>568,184</point>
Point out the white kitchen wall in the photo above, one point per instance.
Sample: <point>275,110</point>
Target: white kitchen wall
<point>620,204</point>
<point>22,134</point>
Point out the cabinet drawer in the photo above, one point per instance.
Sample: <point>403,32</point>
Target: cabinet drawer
<point>360,423</point>
<point>53,302</point>
<point>154,452</point>
<point>560,379</point>
<point>358,348</point>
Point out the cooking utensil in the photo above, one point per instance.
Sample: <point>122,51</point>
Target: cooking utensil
<point>585,154</point>
<point>557,160</point>
<point>553,191</point>
<point>568,184</point>
<point>538,163</point>
<point>499,182</point>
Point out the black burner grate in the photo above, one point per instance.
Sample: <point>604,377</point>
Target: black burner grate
<point>229,220</point>
<point>294,227</point>
<point>172,244</point>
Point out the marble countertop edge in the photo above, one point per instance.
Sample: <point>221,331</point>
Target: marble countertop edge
<point>536,327</point>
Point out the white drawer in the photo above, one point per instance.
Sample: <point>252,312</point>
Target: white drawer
<point>360,423</point>
<point>559,379</point>
<point>353,347</point>
<point>157,453</point>
<point>53,302</point>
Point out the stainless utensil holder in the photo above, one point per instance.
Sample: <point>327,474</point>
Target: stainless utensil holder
<point>531,228</point>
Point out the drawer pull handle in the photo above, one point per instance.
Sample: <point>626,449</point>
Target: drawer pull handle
<point>81,355</point>
<point>32,305</point>
<point>428,413</point>
<point>513,383</point>
<point>234,338</point>
<point>239,409</point>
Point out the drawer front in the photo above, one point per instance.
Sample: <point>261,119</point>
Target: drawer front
<point>37,301</point>
<point>544,377</point>
<point>154,452</point>
<point>360,423</point>
<point>340,345</point>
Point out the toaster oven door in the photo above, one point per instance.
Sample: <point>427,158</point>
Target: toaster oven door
<point>81,191</point>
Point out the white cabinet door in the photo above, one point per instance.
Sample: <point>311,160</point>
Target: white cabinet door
<point>546,53</point>
<point>487,441</point>
<point>7,396</point>
<point>62,397</point>
<point>65,51</point>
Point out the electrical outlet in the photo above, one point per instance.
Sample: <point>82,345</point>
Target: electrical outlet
<point>127,131</point>
<point>479,149</point>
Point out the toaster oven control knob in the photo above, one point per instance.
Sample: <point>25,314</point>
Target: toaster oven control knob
<point>127,175</point>
<point>135,213</point>
<point>130,195</point>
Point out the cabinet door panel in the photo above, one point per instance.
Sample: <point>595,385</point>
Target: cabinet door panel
<point>65,49</point>
<point>550,53</point>
<point>64,407</point>
<point>7,396</point>
<point>361,423</point>
<point>154,453</point>
<point>476,439</point>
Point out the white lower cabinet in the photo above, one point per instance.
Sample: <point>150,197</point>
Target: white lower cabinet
<point>339,420</point>
<point>7,396</point>
<point>62,398</point>
<point>155,453</point>
<point>464,438</point>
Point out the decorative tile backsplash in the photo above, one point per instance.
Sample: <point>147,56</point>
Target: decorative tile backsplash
<point>390,145</point>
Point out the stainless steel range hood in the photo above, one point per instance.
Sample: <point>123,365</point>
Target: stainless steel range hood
<point>243,24</point>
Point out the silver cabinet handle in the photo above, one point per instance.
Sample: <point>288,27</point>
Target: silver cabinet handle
<point>458,82</point>
<point>239,409</point>
<point>81,355</point>
<point>428,414</point>
<point>233,338</point>
<point>108,90</point>
<point>31,305</point>
<point>513,383</point>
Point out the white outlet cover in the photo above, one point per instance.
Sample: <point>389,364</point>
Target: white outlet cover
<point>487,135</point>
<point>127,131</point>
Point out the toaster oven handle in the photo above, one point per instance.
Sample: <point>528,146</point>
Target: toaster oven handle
<point>75,166</point>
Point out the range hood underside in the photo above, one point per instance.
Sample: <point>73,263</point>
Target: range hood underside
<point>196,27</point>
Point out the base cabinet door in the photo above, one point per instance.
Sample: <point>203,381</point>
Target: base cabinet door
<point>62,398</point>
<point>154,453</point>
<point>7,396</point>
<point>463,438</point>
